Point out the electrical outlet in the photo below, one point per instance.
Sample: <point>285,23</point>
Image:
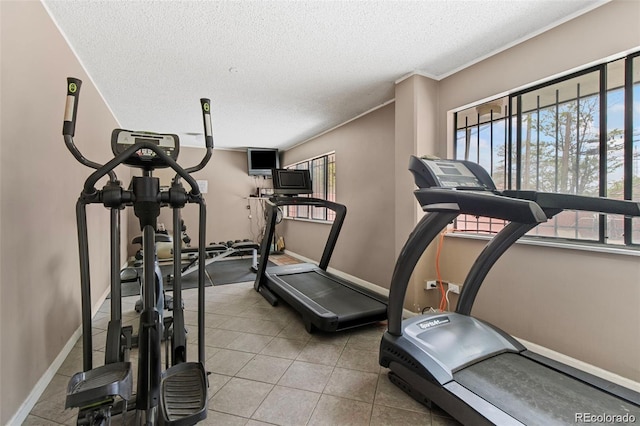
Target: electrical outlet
<point>454,288</point>
<point>430,284</point>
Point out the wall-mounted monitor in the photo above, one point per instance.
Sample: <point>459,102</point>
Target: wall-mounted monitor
<point>262,160</point>
<point>291,182</point>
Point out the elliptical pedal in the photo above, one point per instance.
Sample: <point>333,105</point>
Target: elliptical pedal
<point>100,385</point>
<point>183,397</point>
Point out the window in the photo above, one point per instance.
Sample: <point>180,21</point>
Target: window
<point>578,135</point>
<point>323,178</point>
<point>481,137</point>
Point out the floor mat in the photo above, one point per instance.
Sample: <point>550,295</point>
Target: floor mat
<point>232,271</point>
<point>189,281</point>
<point>128,289</point>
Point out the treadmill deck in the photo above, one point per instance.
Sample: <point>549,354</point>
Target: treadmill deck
<point>326,295</point>
<point>535,394</point>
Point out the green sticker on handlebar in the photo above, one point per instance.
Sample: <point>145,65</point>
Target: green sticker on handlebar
<point>73,88</point>
<point>205,106</point>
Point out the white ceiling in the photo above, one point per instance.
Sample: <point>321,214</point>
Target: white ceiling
<point>281,72</point>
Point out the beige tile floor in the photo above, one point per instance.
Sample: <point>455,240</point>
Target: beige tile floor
<point>266,369</point>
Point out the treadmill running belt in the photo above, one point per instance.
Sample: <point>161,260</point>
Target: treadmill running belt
<point>535,394</point>
<point>333,296</point>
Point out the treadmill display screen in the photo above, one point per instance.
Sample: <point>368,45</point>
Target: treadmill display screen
<point>291,182</point>
<point>453,174</point>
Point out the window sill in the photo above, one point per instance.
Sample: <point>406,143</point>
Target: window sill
<point>562,244</point>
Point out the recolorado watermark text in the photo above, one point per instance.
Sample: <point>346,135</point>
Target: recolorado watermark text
<point>604,418</point>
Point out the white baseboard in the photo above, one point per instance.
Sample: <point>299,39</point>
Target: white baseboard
<point>21,415</point>
<point>353,279</point>
<point>32,399</point>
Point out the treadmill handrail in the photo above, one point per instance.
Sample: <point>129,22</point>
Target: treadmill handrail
<point>552,203</point>
<point>427,229</point>
<point>556,200</point>
<point>481,203</point>
<point>443,206</point>
<point>270,225</point>
<point>485,261</point>
<point>340,211</point>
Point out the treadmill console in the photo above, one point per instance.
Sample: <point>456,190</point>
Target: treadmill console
<point>145,158</point>
<point>451,174</point>
<point>291,181</point>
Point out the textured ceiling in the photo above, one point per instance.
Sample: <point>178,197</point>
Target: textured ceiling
<point>280,72</point>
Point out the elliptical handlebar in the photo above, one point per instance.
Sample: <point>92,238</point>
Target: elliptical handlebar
<point>89,185</point>
<point>206,117</point>
<point>69,128</point>
<point>71,108</point>
<point>205,104</point>
<point>69,125</point>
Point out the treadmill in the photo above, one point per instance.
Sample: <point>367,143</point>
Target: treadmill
<point>325,301</point>
<point>476,372</point>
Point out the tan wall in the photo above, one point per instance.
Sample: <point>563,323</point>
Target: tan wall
<point>580,303</point>
<point>365,184</point>
<point>583,304</point>
<point>38,252</point>
<point>415,132</point>
<point>605,31</point>
<point>41,181</point>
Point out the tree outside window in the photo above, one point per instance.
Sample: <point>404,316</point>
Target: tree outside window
<point>575,135</point>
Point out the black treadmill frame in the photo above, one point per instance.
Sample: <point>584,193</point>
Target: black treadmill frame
<point>272,287</point>
<point>552,204</point>
<point>401,356</point>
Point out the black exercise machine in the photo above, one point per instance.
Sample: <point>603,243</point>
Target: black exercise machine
<point>131,275</point>
<point>177,395</point>
<point>325,301</point>
<point>476,372</point>
<point>216,252</point>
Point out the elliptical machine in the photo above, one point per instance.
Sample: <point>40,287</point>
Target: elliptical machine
<point>177,395</point>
